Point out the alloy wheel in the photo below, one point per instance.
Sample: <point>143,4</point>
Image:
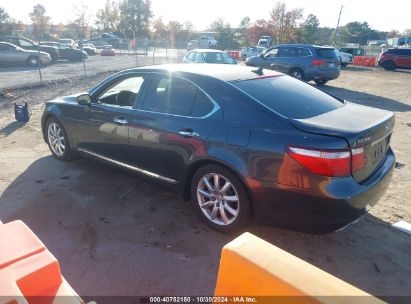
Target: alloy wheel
<point>56,139</point>
<point>218,199</point>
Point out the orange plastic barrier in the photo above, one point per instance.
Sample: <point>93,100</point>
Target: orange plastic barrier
<point>252,267</point>
<point>234,54</point>
<point>364,61</point>
<point>29,273</point>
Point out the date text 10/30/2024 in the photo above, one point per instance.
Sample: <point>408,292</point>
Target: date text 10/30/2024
<point>234,299</point>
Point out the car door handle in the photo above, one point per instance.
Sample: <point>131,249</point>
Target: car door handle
<point>188,133</point>
<point>120,121</point>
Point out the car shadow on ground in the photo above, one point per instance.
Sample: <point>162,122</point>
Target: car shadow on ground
<point>108,227</point>
<point>10,128</point>
<point>367,99</point>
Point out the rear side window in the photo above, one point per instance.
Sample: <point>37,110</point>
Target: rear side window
<point>176,96</point>
<point>301,52</point>
<point>289,97</point>
<point>326,53</point>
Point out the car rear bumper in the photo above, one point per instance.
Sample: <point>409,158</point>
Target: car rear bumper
<point>328,208</point>
<point>318,74</point>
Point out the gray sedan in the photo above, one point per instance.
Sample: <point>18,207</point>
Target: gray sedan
<point>14,55</point>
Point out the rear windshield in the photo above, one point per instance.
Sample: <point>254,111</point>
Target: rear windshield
<point>289,97</point>
<point>326,53</point>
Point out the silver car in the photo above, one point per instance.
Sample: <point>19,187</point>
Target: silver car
<point>11,54</point>
<point>252,51</point>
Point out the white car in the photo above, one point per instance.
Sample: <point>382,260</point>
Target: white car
<point>345,58</point>
<point>207,42</point>
<point>252,51</point>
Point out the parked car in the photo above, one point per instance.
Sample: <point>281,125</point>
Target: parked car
<point>107,50</point>
<point>392,59</point>
<point>208,56</point>
<point>66,52</point>
<point>68,42</point>
<point>252,51</point>
<point>355,51</point>
<point>265,41</point>
<point>28,44</point>
<point>207,42</point>
<point>301,61</point>
<point>13,55</point>
<point>89,48</point>
<point>217,136</point>
<point>192,44</point>
<point>345,58</point>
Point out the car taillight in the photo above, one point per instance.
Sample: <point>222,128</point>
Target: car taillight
<point>318,62</point>
<point>358,159</point>
<point>322,162</point>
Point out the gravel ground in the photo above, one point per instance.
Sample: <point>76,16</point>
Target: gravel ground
<point>151,242</point>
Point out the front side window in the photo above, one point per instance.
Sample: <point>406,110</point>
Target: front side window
<point>176,96</point>
<point>271,53</point>
<point>25,43</point>
<point>122,93</point>
<point>198,58</point>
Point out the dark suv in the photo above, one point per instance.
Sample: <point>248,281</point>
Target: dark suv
<point>304,62</point>
<point>28,44</point>
<point>392,59</point>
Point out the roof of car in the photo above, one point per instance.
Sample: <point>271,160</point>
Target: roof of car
<point>307,45</point>
<point>225,72</point>
<point>208,50</point>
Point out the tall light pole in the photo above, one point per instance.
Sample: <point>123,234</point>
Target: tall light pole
<point>338,24</point>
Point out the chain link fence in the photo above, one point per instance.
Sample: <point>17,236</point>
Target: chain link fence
<point>19,68</point>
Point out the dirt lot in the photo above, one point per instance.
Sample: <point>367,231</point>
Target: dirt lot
<point>151,242</point>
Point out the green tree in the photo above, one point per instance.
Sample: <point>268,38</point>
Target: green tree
<point>40,21</point>
<point>108,18</point>
<point>135,17</point>
<point>5,22</point>
<point>225,34</point>
<point>242,31</point>
<point>309,29</point>
<point>356,32</point>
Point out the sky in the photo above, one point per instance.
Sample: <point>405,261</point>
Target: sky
<point>384,16</point>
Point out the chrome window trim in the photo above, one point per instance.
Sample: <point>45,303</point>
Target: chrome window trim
<point>216,106</point>
<point>130,167</point>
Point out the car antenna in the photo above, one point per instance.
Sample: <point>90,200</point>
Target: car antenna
<point>259,71</point>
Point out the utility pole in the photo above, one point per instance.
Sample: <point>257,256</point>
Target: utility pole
<point>338,24</point>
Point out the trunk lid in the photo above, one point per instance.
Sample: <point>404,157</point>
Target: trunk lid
<point>361,126</point>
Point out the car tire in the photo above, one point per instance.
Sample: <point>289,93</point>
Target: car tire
<point>389,66</point>
<point>244,57</point>
<point>297,74</point>
<point>320,82</point>
<point>33,61</point>
<point>344,64</point>
<point>213,205</point>
<point>57,140</point>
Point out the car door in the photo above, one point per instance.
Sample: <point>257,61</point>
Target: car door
<point>8,55</point>
<point>270,58</point>
<point>285,59</point>
<point>404,58</point>
<point>171,126</point>
<point>103,127</point>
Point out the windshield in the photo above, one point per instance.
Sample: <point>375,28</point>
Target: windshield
<point>216,57</point>
<point>289,97</point>
<point>326,53</point>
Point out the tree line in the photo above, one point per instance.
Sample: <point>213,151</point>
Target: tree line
<point>135,18</point>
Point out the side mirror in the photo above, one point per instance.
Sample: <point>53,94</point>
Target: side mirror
<point>84,99</point>
<point>262,56</point>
